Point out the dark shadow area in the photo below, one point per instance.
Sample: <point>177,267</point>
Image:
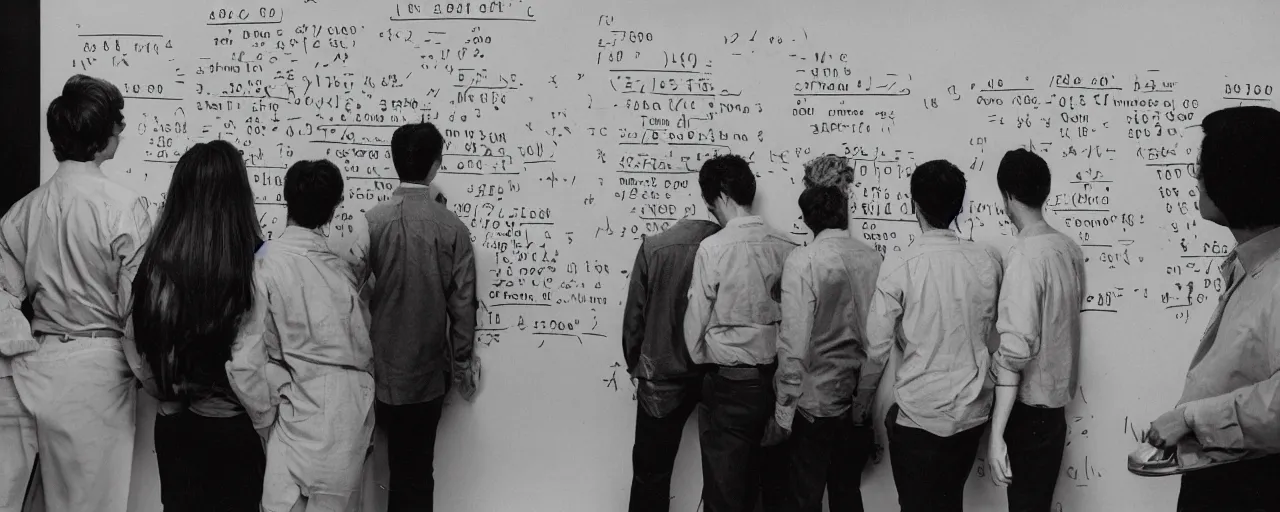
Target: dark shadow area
<point>19,99</point>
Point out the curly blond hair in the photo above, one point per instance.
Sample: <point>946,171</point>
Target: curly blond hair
<point>828,171</point>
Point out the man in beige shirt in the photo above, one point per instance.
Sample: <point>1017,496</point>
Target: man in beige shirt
<point>941,296</point>
<point>1035,367</point>
<point>731,325</point>
<point>73,246</point>
<point>1226,427</point>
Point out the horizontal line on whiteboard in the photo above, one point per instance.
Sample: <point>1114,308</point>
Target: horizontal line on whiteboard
<point>624,171</point>
<point>681,71</point>
<point>874,219</point>
<point>121,35</point>
<point>1167,164</point>
<point>532,223</point>
<point>368,177</point>
<point>1087,88</point>
<point>705,94</point>
<point>161,98</point>
<point>1096,245</point>
<point>358,126</point>
<point>349,143</point>
<point>1087,310</point>
<point>1094,210</point>
<point>669,219</point>
<point>1175,306</point>
<point>270,203</point>
<point>1203,256</point>
<point>460,19</point>
<point>849,94</point>
<point>266,167</point>
<point>521,304</point>
<point>277,22</point>
<point>1005,90</point>
<point>161,161</point>
<point>1246,99</point>
<point>594,334</point>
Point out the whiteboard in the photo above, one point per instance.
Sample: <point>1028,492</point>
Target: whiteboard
<point>575,127</point>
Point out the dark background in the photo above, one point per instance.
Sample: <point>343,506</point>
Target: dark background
<point>20,108</point>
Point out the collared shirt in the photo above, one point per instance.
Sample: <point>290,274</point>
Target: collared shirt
<point>424,302</point>
<point>73,245</point>
<point>1230,396</point>
<point>307,321</point>
<point>939,302</point>
<point>1039,321</point>
<point>826,292</point>
<point>734,309</point>
<point>653,321</point>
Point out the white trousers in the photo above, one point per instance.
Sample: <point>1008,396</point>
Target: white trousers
<point>17,446</point>
<point>82,396</point>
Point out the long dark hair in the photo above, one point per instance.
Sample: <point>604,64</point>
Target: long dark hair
<point>195,283</point>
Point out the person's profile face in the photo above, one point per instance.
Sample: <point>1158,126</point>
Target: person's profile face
<point>113,144</point>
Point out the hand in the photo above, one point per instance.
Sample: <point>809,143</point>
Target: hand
<point>998,458</point>
<point>1168,429</point>
<point>774,434</point>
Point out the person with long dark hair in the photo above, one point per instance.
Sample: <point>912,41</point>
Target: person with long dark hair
<point>192,292</point>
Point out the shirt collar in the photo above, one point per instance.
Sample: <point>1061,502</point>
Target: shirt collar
<point>831,233</point>
<point>299,236</point>
<point>745,221</point>
<point>1257,252</point>
<point>940,234</point>
<point>73,167</point>
<point>1040,227</point>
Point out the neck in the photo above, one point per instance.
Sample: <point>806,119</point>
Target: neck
<point>732,211</point>
<point>1243,235</point>
<point>1024,216</point>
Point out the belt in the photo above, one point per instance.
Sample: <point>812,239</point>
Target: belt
<point>91,333</point>
<point>745,372</point>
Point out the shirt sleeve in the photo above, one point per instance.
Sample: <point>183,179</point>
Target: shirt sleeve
<point>633,316</point>
<point>702,293</point>
<point>461,305</point>
<point>358,256</point>
<point>882,325</point>
<point>1247,418</point>
<point>865,393</point>
<point>132,232</point>
<point>1018,321</point>
<point>257,371</point>
<point>13,252</point>
<point>799,302</point>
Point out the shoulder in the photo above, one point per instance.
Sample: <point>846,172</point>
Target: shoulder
<point>684,233</point>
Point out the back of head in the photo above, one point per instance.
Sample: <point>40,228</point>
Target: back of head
<point>828,171</point>
<point>824,208</point>
<point>196,278</point>
<point>415,148</point>
<point>729,175</point>
<point>312,191</point>
<point>1240,165</point>
<point>84,118</point>
<point>937,187</point>
<point>1024,176</point>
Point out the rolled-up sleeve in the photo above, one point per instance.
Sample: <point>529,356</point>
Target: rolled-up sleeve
<point>798,304</point>
<point>882,324</point>
<point>256,370</point>
<point>462,305</point>
<point>702,291</point>
<point>633,315</point>
<point>1247,418</point>
<point>1019,319</point>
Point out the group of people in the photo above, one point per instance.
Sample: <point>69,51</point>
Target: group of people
<point>269,360</point>
<point>781,348</point>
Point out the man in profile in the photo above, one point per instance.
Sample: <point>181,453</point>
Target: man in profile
<point>1224,434</point>
<point>732,325</point>
<point>73,246</point>
<point>668,383</point>
<point>941,296</point>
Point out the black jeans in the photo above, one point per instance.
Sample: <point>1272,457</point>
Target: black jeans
<point>827,454</point>
<point>654,454</point>
<point>930,470</point>
<point>1036,437</point>
<point>736,404</point>
<point>1245,486</point>
<point>411,447</point>
<point>209,464</point>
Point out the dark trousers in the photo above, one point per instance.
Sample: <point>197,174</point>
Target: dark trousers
<point>657,442</point>
<point>930,470</point>
<point>736,404</point>
<point>209,464</point>
<point>827,454</point>
<point>411,447</point>
<point>1036,437</point>
<point>1245,486</point>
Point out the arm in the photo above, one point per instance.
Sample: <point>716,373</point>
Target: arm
<point>633,315</point>
<point>882,328</point>
<point>358,256</point>
<point>252,372</point>
<point>1247,418</point>
<point>1018,323</point>
<point>864,394</point>
<point>798,305</point>
<point>132,231</point>
<point>462,306</point>
<point>702,293</point>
